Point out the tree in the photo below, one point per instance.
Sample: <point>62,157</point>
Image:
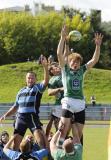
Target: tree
<point>24,36</point>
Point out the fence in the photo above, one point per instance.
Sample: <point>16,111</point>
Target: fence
<point>98,112</point>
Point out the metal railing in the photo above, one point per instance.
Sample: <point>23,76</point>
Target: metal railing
<point>97,112</point>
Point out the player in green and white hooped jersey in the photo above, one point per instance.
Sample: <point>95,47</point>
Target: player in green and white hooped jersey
<point>72,75</point>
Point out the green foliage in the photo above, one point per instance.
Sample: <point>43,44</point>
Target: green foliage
<point>24,36</point>
<point>76,20</point>
<point>18,36</point>
<point>86,25</point>
<point>47,29</point>
<point>96,20</point>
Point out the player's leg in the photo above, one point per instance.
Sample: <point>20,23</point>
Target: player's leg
<point>36,128</point>
<point>80,131</point>
<point>81,140</point>
<point>17,141</point>
<point>66,120</point>
<point>56,122</point>
<point>49,126</point>
<point>79,122</point>
<point>20,128</point>
<point>75,133</point>
<point>68,132</point>
<point>39,138</point>
<point>57,112</point>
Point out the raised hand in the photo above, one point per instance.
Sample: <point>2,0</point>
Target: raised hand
<point>44,61</point>
<point>2,118</point>
<point>98,38</point>
<point>64,32</point>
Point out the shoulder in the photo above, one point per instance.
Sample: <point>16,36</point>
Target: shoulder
<point>52,79</point>
<point>41,153</point>
<point>55,78</point>
<point>52,82</point>
<point>57,154</point>
<point>1,145</point>
<point>12,154</point>
<point>39,86</point>
<point>66,68</point>
<point>21,90</point>
<point>83,67</point>
<point>78,146</point>
<point>1,151</point>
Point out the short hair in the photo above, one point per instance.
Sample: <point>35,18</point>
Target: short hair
<point>68,145</point>
<point>4,133</point>
<point>31,72</point>
<point>75,56</point>
<point>25,146</point>
<point>51,67</point>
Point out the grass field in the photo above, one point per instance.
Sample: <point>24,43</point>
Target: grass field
<point>95,141</point>
<point>97,82</point>
<point>12,77</point>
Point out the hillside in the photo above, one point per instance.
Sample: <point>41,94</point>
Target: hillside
<point>12,78</point>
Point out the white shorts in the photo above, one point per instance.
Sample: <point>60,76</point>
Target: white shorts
<point>73,105</point>
<point>57,110</point>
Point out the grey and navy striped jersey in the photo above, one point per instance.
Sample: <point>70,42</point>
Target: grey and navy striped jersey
<point>28,98</point>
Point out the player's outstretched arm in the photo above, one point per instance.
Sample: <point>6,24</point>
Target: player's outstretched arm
<point>10,112</point>
<point>46,72</point>
<point>98,40</point>
<point>60,49</point>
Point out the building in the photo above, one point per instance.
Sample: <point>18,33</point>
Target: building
<point>16,9</point>
<point>40,7</point>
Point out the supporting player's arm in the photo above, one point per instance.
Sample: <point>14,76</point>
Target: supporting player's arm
<point>55,138</point>
<point>53,141</point>
<point>9,144</point>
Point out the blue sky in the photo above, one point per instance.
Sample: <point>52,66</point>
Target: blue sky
<point>86,5</point>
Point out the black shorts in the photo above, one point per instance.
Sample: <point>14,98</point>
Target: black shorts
<point>54,117</point>
<point>79,117</point>
<point>25,121</point>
